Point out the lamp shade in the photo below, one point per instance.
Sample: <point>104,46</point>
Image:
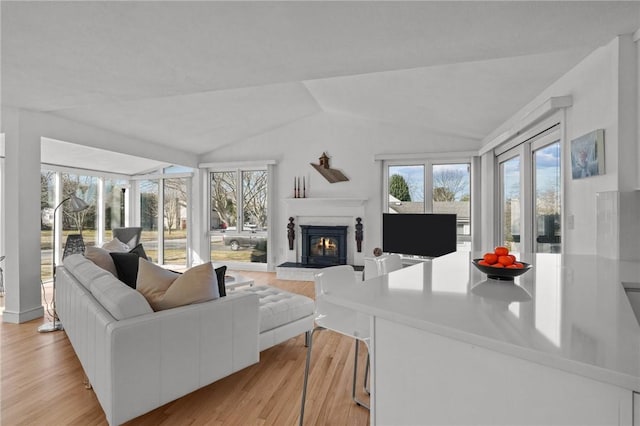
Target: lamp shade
<point>77,204</point>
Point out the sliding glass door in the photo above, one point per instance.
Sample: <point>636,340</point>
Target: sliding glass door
<point>547,209</point>
<point>510,197</point>
<point>530,187</point>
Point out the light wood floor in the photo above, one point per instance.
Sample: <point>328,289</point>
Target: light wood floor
<point>42,382</point>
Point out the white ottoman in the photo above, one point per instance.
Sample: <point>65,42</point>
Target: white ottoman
<point>283,315</point>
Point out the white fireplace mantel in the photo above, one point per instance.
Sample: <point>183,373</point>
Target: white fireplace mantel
<point>337,202</point>
<point>334,211</point>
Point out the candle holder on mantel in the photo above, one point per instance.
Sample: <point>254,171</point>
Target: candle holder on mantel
<point>296,187</point>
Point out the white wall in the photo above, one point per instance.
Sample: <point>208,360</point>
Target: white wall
<point>351,144</point>
<point>595,87</point>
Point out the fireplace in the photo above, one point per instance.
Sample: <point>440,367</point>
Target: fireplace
<point>324,245</point>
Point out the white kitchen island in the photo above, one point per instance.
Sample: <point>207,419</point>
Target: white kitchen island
<point>560,345</point>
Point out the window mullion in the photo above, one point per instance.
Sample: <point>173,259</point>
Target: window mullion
<point>160,222</point>
<point>527,191</point>
<point>428,187</point>
<point>100,225</point>
<point>239,201</point>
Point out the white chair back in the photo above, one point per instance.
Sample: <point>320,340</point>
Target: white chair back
<point>331,316</point>
<point>388,263</point>
<point>333,277</point>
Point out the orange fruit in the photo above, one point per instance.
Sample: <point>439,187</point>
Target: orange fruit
<point>518,265</point>
<point>484,262</point>
<point>512,257</point>
<point>490,258</point>
<point>505,260</point>
<point>501,251</point>
<point>498,265</point>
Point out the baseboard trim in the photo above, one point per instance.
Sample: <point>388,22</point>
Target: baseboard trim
<point>24,316</point>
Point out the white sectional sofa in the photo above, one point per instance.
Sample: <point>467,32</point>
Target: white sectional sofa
<point>137,359</point>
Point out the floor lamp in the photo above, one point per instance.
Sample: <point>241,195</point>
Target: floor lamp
<point>76,205</point>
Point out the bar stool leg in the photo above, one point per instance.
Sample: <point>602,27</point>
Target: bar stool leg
<point>309,341</point>
<point>355,373</point>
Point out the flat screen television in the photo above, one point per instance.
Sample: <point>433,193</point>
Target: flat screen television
<point>429,235</point>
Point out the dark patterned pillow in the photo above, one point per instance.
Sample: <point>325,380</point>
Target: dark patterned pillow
<point>220,272</point>
<point>139,250</point>
<point>127,267</point>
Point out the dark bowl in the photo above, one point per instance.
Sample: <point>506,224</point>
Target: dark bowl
<point>506,274</point>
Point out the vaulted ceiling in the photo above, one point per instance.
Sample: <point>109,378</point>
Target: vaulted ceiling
<point>201,75</point>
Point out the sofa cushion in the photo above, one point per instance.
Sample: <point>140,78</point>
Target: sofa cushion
<point>119,299</point>
<point>279,307</point>
<point>115,245</point>
<point>101,257</point>
<point>84,270</point>
<point>153,281</point>
<point>166,289</point>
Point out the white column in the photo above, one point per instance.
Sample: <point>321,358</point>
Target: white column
<point>199,225</point>
<point>100,213</point>
<point>22,208</point>
<point>488,213</point>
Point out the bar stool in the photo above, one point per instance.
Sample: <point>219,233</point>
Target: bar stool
<point>388,263</point>
<point>329,316</point>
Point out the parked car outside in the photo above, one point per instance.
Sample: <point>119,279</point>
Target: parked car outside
<point>236,240</point>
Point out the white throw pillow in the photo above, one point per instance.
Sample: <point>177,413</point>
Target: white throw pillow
<point>166,289</point>
<point>102,258</point>
<point>153,281</point>
<point>115,245</point>
<point>198,284</point>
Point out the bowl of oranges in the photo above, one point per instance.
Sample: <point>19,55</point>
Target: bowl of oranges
<point>500,265</point>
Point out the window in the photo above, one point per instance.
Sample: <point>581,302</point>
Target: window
<point>47,205</point>
<point>432,186</point>
<point>529,181</point>
<point>115,205</point>
<point>108,198</point>
<point>452,195</point>
<point>547,211</point>
<point>149,191</point>
<point>85,221</point>
<point>510,203</point>
<point>239,216</point>
<point>406,189</point>
<point>175,221</point>
<point>104,211</point>
<point>162,203</point>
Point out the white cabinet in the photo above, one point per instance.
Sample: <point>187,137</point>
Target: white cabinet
<point>424,378</point>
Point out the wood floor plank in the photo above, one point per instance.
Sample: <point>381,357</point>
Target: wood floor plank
<point>42,382</point>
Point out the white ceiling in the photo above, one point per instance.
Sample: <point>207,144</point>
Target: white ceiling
<point>201,75</point>
<point>65,154</point>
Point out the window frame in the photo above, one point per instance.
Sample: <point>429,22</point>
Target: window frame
<point>160,176</point>
<point>540,136</point>
<point>428,161</point>
<point>238,168</point>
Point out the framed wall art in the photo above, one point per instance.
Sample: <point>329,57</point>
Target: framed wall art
<point>587,155</point>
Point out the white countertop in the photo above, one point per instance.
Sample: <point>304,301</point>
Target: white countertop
<point>567,312</point>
